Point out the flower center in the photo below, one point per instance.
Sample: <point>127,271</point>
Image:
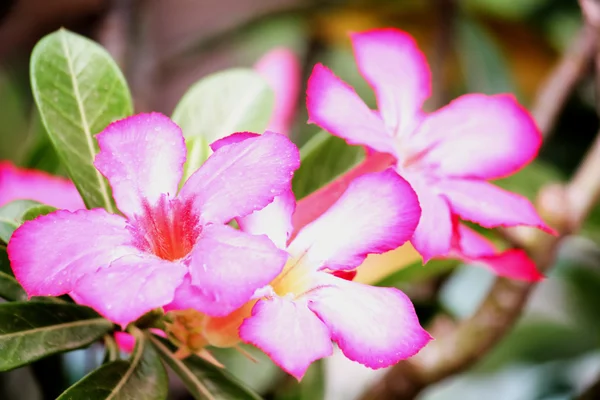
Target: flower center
<point>294,279</point>
<point>168,230</point>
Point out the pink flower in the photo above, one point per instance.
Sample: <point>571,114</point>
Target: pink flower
<point>310,303</point>
<point>447,156</point>
<point>126,266</point>
<point>27,184</point>
<point>281,68</point>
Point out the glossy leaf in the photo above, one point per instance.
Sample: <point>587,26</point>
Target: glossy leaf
<point>32,330</point>
<point>218,105</point>
<point>4,263</point>
<point>10,289</point>
<point>79,90</point>
<point>13,214</point>
<point>203,380</point>
<point>141,377</point>
<point>323,158</point>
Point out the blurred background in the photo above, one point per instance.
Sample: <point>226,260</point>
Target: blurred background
<point>488,46</point>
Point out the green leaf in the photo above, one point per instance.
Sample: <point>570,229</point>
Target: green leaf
<point>483,64</point>
<point>311,387</point>
<point>218,105</point>
<point>13,214</point>
<point>322,159</point>
<point>141,377</point>
<point>4,263</point>
<point>417,272</point>
<point>10,289</point>
<point>203,380</point>
<point>32,330</point>
<point>79,90</point>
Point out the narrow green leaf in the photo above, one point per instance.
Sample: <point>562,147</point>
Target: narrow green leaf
<point>10,289</point>
<point>13,214</point>
<point>203,380</point>
<point>322,159</point>
<point>218,105</point>
<point>79,90</point>
<point>142,377</point>
<point>32,330</point>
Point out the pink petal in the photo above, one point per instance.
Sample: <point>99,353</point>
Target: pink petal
<point>125,341</point>
<point>513,263</point>
<point>291,334</point>
<point>142,157</point>
<point>479,136</point>
<point>374,326</point>
<point>334,106</point>
<point>28,184</point>
<point>311,207</point>
<point>227,266</point>
<point>242,177</point>
<point>275,220</point>
<point>397,70</point>
<point>231,139</point>
<point>377,213</point>
<point>488,205</point>
<point>51,253</point>
<point>433,235</point>
<point>130,287</point>
<point>281,68</point>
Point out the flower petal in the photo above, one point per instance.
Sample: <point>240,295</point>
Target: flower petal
<point>377,213</point>
<point>291,334</point>
<point>479,136</point>
<point>513,263</point>
<point>130,287</point>
<point>433,235</point>
<point>334,106</point>
<point>232,139</point>
<point>488,205</point>
<point>397,70</point>
<point>227,266</point>
<point>374,326</point>
<point>311,207</point>
<point>29,184</point>
<point>275,220</point>
<point>242,177</point>
<point>51,253</point>
<point>281,68</point>
<point>142,157</point>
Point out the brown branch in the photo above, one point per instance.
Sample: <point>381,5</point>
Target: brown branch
<point>457,346</point>
<point>560,83</point>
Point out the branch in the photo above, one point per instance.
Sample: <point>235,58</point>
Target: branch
<point>566,74</point>
<point>457,346</point>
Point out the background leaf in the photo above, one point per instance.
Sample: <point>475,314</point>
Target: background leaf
<point>13,214</point>
<point>141,377</point>
<point>79,90</point>
<point>30,331</point>
<point>323,158</point>
<point>204,380</point>
<point>10,289</point>
<point>311,387</point>
<point>483,64</point>
<point>218,105</point>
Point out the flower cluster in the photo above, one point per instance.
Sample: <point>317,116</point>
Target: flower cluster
<point>279,284</point>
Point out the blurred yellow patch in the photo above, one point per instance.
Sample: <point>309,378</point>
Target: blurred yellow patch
<point>378,266</point>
